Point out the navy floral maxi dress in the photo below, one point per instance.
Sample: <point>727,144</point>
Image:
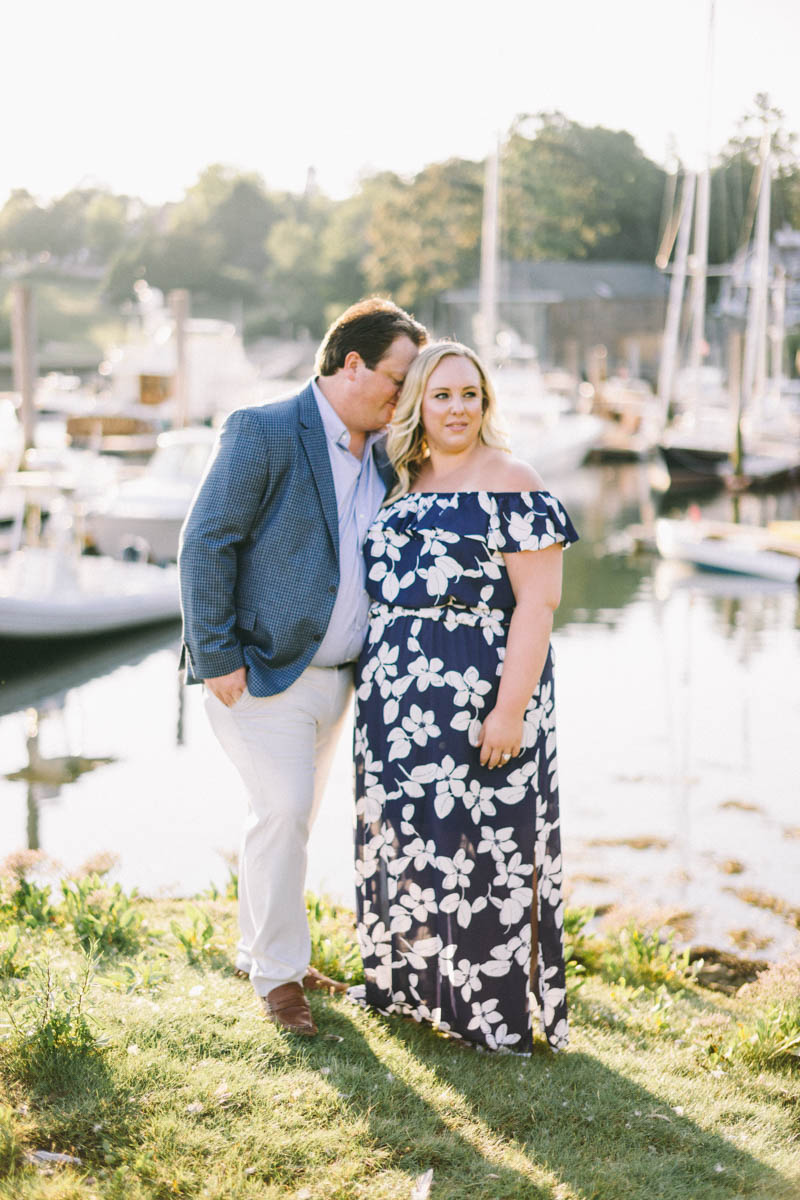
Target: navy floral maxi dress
<point>445,848</point>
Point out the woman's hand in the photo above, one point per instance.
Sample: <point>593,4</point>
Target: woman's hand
<point>500,737</point>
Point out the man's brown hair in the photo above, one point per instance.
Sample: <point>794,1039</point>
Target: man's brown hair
<point>368,327</point>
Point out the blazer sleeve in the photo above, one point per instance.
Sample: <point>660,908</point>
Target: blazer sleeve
<point>221,516</point>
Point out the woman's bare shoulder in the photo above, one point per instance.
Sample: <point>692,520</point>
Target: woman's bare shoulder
<point>502,473</point>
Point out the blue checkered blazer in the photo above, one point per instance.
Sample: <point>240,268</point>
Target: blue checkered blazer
<point>259,550</point>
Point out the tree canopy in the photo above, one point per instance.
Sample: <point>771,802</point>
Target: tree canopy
<point>568,191</point>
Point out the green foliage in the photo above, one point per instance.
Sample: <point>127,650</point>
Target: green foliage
<point>582,951</point>
<point>197,1094</point>
<point>199,939</point>
<point>422,236</point>
<point>49,1024</point>
<point>11,1152</point>
<point>23,900</point>
<point>26,902</point>
<point>137,978</point>
<point>334,950</point>
<point>230,889</point>
<point>768,1038</point>
<point>638,958</point>
<point>14,963</point>
<point>102,914</point>
<point>571,191</point>
<point>769,1033</point>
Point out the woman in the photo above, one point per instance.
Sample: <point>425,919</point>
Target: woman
<point>457,803</point>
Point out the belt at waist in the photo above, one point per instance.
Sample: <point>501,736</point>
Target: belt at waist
<point>451,614</point>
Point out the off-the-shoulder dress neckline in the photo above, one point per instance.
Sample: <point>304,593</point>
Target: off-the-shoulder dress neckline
<point>479,492</point>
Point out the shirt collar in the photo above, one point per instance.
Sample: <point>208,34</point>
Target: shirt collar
<point>336,431</point>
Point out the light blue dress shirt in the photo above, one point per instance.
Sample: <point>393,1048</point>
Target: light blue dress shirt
<point>359,494</point>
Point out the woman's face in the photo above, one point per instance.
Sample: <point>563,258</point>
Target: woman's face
<point>452,405</point>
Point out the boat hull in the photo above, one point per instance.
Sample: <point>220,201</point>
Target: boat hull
<point>686,542</point>
<point>95,596</point>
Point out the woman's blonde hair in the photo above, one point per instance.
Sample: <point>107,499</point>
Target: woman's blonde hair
<point>405,443</point>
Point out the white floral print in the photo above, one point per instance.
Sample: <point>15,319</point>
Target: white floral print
<point>445,849</point>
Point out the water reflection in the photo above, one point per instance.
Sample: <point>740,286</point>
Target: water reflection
<point>678,702</point>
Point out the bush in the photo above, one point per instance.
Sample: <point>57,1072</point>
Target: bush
<point>22,900</point>
<point>103,915</point>
<point>638,958</point>
<point>771,1035</point>
<point>49,1024</point>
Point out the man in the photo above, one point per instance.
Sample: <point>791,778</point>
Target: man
<point>275,611</point>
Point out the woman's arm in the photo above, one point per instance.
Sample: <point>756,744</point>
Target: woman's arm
<point>535,577</point>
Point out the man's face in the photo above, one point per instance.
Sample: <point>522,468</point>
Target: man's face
<point>375,392</point>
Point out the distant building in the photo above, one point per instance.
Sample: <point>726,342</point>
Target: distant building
<point>566,309</point>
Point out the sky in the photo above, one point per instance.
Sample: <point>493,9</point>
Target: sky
<point>140,97</point>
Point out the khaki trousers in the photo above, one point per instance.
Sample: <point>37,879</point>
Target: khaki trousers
<point>282,747</point>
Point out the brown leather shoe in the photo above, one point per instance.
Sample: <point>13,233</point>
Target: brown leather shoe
<point>315,981</point>
<point>287,1007</point>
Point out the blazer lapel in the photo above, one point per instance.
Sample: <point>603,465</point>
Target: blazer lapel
<point>312,435</point>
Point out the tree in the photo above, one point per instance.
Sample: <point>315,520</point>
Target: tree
<point>296,284</point>
<point>423,236</point>
<point>569,191</point>
<point>734,180</point>
<point>22,225</point>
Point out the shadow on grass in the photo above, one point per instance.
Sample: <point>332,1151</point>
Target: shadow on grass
<point>563,1119</point>
<point>78,1106</point>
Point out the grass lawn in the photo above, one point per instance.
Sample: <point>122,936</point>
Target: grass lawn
<point>153,1066</point>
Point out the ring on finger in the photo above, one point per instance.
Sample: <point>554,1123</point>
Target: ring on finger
<point>504,757</point>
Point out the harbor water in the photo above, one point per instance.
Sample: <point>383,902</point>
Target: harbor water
<point>678,701</point>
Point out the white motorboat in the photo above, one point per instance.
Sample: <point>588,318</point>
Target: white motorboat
<point>544,428</point>
<point>152,507</point>
<point>723,546</point>
<point>52,593</point>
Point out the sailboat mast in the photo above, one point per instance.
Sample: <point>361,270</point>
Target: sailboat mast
<point>777,332</point>
<point>755,358</point>
<point>487,310</point>
<point>669,349</point>
<point>700,255</point>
